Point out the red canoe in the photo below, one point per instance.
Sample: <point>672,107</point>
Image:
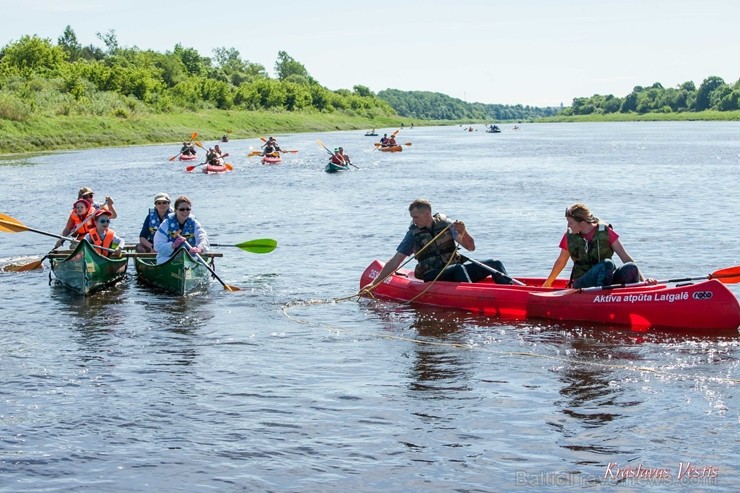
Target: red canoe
<point>706,305</point>
<point>188,157</point>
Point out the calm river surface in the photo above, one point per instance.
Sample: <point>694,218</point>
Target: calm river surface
<point>132,390</point>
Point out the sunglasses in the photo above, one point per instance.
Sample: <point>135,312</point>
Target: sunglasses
<point>88,196</point>
<point>161,202</point>
<point>184,209</point>
<point>103,221</point>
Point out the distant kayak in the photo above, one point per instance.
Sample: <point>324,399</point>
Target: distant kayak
<point>271,160</point>
<point>370,134</point>
<point>333,168</point>
<point>211,169</point>
<point>187,157</point>
<point>395,148</point>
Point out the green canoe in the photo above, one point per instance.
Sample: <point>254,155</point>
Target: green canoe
<point>182,274</point>
<point>84,270</point>
<point>333,168</point>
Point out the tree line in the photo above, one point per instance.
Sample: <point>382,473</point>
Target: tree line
<point>436,106</point>
<point>712,94</point>
<point>38,76</point>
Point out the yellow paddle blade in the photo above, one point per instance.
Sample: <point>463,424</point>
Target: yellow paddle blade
<point>11,225</point>
<point>36,264</point>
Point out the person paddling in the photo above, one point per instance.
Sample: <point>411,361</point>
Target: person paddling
<point>433,240</point>
<point>591,243</point>
<point>79,221</point>
<point>178,228</point>
<point>102,236</point>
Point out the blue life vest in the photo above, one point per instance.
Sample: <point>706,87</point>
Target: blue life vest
<point>187,231</point>
<point>154,222</point>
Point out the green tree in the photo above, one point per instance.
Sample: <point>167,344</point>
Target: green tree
<point>68,42</point>
<point>191,59</point>
<point>704,93</point>
<point>32,55</point>
<point>286,66</point>
<point>110,40</point>
<point>363,91</point>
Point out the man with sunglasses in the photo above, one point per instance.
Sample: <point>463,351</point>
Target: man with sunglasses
<point>103,236</point>
<point>152,222</point>
<point>88,194</point>
<point>177,229</point>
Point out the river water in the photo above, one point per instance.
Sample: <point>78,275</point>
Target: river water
<point>277,388</point>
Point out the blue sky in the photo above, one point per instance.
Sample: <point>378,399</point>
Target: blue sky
<point>535,52</point>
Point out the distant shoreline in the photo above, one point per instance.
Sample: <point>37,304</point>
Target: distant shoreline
<point>58,133</point>
<point>708,115</point>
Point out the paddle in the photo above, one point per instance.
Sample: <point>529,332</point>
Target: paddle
<point>12,225</point>
<point>728,275</point>
<point>192,138</point>
<point>493,271</point>
<point>213,272</point>
<point>263,245</point>
<point>378,144</point>
<point>29,266</point>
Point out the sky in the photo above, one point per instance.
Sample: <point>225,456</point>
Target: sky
<point>530,52</point>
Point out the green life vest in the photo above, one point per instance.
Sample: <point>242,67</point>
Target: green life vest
<point>437,255</point>
<point>586,254</point>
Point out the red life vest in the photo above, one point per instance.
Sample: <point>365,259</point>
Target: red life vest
<point>105,242</point>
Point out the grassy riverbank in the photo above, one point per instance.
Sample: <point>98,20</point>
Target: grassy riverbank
<point>78,132</point>
<point>708,115</point>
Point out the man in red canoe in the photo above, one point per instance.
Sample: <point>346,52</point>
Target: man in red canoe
<point>433,240</point>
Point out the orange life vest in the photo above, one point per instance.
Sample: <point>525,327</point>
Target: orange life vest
<point>77,220</point>
<point>105,242</point>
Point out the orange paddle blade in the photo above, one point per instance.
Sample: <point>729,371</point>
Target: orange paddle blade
<point>11,225</point>
<point>36,264</point>
<point>729,275</point>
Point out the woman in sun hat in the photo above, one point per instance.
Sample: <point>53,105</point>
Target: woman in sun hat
<point>153,219</point>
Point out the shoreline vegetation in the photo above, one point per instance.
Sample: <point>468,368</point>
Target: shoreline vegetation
<point>59,133</point>
<point>83,131</point>
<point>64,96</point>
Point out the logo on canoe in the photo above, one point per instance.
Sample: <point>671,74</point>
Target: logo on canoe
<point>702,295</point>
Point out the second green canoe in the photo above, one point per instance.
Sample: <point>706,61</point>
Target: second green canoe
<point>182,274</point>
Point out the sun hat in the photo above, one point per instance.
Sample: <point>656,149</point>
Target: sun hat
<point>87,203</point>
<point>85,191</point>
<point>161,196</point>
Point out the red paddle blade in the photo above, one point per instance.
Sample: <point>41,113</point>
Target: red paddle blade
<point>728,275</point>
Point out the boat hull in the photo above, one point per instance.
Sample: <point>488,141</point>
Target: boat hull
<point>188,157</point>
<point>333,168</point>
<point>706,305</point>
<point>85,270</point>
<point>210,169</point>
<point>271,160</point>
<point>396,148</point>
<point>182,274</point>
